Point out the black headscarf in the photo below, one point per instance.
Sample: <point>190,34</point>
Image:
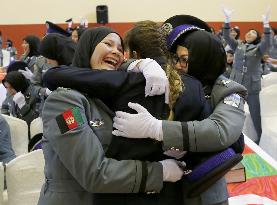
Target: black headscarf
<point>17,81</point>
<point>16,65</point>
<point>87,43</point>
<point>207,58</point>
<point>33,42</point>
<point>58,47</point>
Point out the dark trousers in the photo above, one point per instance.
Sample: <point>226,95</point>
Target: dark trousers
<point>253,101</point>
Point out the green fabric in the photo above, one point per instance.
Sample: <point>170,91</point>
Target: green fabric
<point>255,166</point>
<point>77,115</point>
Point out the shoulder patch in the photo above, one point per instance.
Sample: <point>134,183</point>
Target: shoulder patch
<point>233,100</point>
<point>69,119</point>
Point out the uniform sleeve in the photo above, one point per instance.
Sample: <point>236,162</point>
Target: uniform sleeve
<point>226,35</point>
<point>28,112</point>
<point>265,42</point>
<point>82,154</point>
<point>102,84</point>
<point>220,130</point>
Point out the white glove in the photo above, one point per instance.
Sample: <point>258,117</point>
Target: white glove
<point>27,73</point>
<point>141,125</point>
<point>48,92</point>
<point>19,99</point>
<point>266,17</point>
<point>227,13</point>
<point>156,80</point>
<point>171,170</point>
<point>84,22</point>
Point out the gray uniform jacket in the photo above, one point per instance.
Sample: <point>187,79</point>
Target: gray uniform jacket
<point>6,150</point>
<point>30,110</point>
<point>40,67</point>
<point>75,165</point>
<point>219,131</point>
<point>247,60</point>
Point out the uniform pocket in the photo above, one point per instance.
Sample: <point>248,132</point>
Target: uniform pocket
<point>256,83</point>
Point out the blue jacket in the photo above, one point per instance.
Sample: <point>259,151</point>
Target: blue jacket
<point>6,150</point>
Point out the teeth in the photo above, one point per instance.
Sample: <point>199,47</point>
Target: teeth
<point>113,62</point>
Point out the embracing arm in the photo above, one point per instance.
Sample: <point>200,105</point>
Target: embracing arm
<point>98,83</point>
<point>220,130</point>
<point>95,172</point>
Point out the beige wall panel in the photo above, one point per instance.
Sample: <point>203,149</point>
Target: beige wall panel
<point>38,11</point>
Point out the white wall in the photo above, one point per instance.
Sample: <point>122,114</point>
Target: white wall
<point>38,11</point>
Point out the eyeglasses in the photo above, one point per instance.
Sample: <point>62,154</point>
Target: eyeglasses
<point>183,60</point>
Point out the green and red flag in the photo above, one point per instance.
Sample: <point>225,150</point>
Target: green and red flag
<point>69,119</point>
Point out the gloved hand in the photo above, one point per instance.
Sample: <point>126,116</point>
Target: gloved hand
<point>156,80</point>
<point>47,92</point>
<point>171,170</point>
<point>266,17</point>
<point>19,99</point>
<point>227,13</point>
<point>27,73</point>
<point>140,125</point>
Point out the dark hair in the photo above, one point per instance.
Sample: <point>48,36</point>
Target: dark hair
<point>17,81</point>
<point>230,51</point>
<point>34,43</point>
<point>237,30</point>
<point>9,43</point>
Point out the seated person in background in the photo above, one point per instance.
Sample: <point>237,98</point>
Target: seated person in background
<point>6,150</point>
<point>24,105</point>
<point>13,66</point>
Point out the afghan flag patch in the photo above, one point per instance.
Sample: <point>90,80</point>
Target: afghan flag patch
<point>69,119</point>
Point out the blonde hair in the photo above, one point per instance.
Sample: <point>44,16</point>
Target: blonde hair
<point>148,40</point>
<point>176,85</point>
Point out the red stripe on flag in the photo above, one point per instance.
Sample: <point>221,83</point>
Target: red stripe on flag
<point>69,119</point>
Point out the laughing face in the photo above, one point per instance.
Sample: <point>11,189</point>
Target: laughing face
<point>108,54</point>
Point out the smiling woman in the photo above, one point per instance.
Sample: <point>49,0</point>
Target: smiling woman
<point>108,53</point>
<point>84,125</point>
<point>104,50</point>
